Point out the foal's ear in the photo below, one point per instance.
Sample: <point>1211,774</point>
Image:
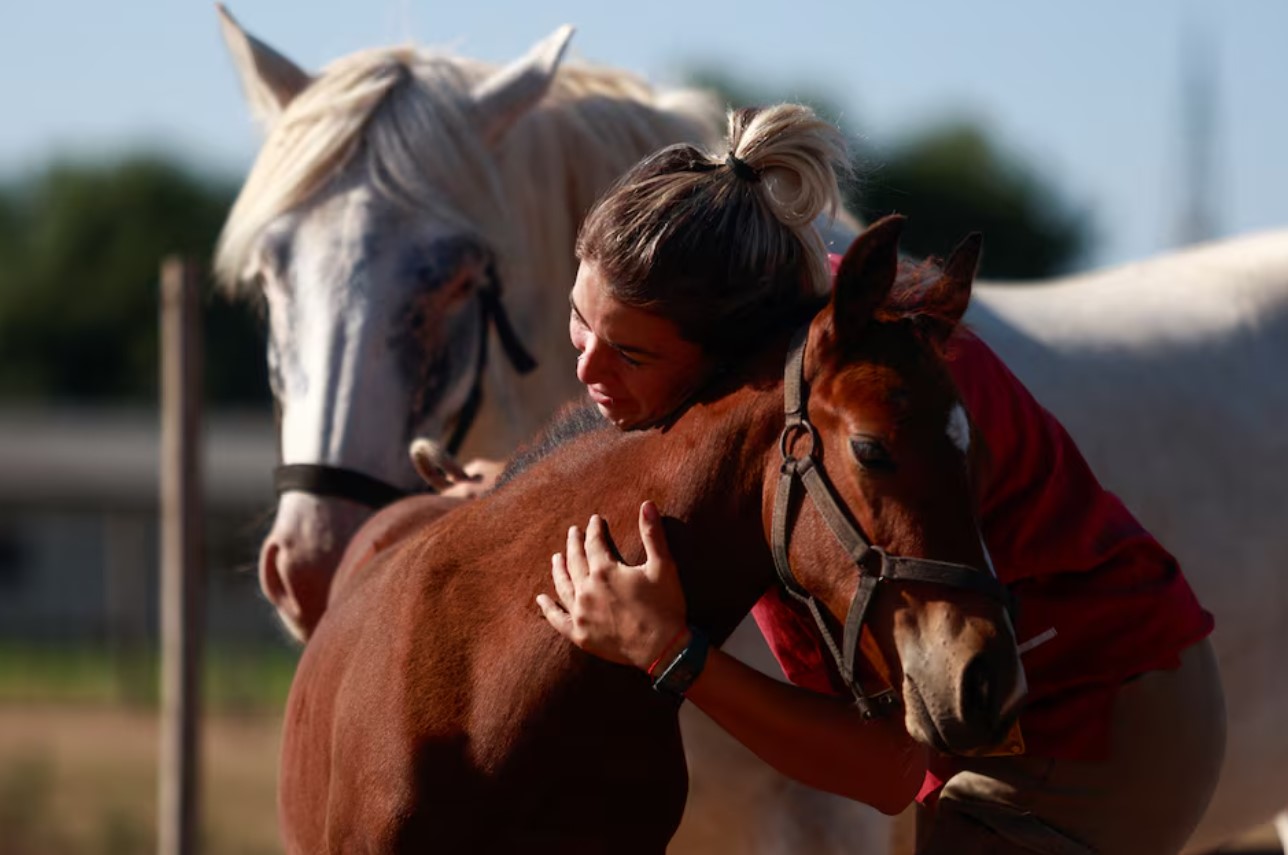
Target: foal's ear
<point>509,93</point>
<point>865,276</point>
<point>270,80</point>
<point>948,298</point>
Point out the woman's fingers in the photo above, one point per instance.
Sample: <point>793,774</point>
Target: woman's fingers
<point>598,553</point>
<point>654,536</point>
<point>563,585</point>
<point>575,557</point>
<point>555,616</point>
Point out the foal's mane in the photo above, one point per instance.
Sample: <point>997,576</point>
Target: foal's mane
<point>405,115</point>
<point>912,299</point>
<point>573,421</point>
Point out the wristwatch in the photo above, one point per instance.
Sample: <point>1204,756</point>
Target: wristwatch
<point>679,675</point>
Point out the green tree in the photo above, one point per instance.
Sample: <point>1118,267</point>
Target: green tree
<point>949,180</point>
<point>952,180</point>
<point>80,247</point>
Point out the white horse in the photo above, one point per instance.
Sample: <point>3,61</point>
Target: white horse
<point>403,206</point>
<point>1172,376</point>
<point>396,188</point>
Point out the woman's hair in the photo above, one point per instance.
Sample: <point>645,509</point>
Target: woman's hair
<point>723,245</point>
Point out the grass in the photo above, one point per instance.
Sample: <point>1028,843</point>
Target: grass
<point>234,679</point>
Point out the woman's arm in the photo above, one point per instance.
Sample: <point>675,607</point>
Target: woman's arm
<point>816,739</point>
<point>636,616</point>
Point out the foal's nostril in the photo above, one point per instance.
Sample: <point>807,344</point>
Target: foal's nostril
<point>979,691</point>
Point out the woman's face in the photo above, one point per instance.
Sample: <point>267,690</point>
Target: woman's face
<point>633,363</point>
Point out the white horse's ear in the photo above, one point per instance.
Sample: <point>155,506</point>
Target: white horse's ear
<point>509,93</point>
<point>270,80</point>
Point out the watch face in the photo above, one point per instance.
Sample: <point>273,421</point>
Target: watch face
<point>685,667</point>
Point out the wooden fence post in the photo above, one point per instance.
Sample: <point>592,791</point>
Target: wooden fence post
<point>182,558</point>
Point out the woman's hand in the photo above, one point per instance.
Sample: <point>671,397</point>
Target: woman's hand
<point>629,615</point>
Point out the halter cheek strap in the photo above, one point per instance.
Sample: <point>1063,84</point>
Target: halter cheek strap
<point>322,479</point>
<point>874,564</point>
<point>493,315</point>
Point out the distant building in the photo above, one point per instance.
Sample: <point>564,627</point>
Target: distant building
<point>78,525</point>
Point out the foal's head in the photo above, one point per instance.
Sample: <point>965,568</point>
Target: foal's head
<point>898,448</point>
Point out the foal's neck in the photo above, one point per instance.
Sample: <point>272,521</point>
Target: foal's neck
<point>708,470</point>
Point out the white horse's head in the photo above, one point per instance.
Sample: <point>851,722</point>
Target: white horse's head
<point>396,193</point>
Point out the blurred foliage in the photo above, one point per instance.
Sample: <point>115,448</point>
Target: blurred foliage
<point>949,180</point>
<point>80,249</point>
<point>953,180</point>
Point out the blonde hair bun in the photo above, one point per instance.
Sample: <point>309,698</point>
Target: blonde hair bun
<point>798,157</point>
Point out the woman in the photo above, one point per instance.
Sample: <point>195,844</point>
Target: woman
<point>684,264</point>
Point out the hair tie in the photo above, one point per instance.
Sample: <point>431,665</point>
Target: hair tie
<point>741,168</point>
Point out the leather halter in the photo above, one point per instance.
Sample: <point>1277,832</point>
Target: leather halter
<point>875,565</point>
<point>322,479</point>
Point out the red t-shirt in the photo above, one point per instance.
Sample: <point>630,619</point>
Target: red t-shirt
<point>1076,559</point>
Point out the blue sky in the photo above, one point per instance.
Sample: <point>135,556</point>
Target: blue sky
<point>1088,92</point>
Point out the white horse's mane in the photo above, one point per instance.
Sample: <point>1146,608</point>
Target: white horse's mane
<point>408,115</point>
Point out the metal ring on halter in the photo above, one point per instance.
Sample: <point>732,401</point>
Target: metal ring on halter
<point>791,432</point>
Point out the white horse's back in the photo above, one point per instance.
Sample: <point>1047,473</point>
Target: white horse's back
<point>1172,376</point>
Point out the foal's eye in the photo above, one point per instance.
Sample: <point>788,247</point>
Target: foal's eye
<point>871,454</point>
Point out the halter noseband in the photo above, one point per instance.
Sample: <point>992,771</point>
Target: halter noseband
<point>322,479</point>
<point>873,562</point>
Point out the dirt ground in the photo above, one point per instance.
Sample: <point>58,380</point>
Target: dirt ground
<point>79,780</point>
<point>83,780</point>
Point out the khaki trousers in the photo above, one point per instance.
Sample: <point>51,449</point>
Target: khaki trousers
<point>1168,743</point>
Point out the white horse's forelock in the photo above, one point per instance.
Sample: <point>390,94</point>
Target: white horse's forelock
<point>409,115</point>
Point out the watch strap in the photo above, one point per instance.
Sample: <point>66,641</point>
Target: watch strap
<point>682,670</point>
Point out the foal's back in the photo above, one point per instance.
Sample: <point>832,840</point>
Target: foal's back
<point>435,708</point>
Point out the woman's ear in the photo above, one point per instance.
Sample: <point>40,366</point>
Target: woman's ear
<point>865,277</point>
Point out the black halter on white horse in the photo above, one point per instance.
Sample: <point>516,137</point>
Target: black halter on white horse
<point>340,482</point>
<point>874,563</point>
